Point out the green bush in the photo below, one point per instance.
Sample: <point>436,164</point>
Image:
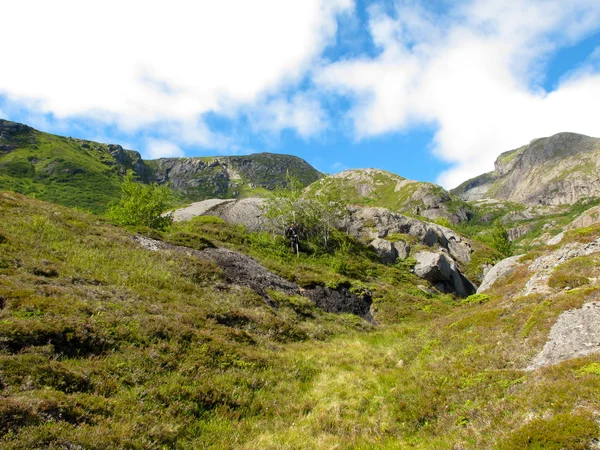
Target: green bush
<point>142,204</point>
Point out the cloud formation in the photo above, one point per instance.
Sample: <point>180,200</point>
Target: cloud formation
<point>137,63</point>
<point>475,74</point>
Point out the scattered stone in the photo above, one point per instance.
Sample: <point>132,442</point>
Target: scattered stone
<point>402,248</point>
<point>443,273</point>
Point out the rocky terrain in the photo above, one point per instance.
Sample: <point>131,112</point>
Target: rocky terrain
<point>557,170</point>
<point>230,176</point>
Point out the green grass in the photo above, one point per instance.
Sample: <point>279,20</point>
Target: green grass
<point>106,345</point>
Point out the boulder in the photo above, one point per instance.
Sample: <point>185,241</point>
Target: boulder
<point>499,270</point>
<point>443,273</point>
<point>385,250</point>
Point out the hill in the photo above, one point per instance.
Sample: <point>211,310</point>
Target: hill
<point>119,339</point>
<point>557,170</point>
<point>375,187</point>
<point>88,175</point>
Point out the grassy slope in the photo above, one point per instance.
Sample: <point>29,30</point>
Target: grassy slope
<point>107,345</point>
<point>60,170</point>
<point>384,192</point>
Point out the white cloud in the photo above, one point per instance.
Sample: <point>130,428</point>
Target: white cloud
<point>475,74</point>
<point>160,148</point>
<point>302,113</point>
<point>137,63</point>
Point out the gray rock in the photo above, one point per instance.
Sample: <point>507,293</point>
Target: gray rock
<point>402,249</point>
<point>246,211</point>
<point>385,250</point>
<point>575,334</point>
<point>498,271</point>
<point>443,273</point>
<point>556,170</point>
<point>370,223</point>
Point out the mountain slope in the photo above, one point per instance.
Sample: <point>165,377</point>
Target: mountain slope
<point>561,169</point>
<point>375,187</point>
<point>88,175</point>
<point>170,352</point>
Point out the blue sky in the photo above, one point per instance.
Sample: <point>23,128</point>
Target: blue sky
<point>433,91</point>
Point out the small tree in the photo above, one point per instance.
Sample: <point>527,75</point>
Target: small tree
<point>142,204</point>
<point>498,238</point>
<point>317,214</point>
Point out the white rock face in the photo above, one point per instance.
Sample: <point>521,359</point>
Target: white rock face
<point>246,211</point>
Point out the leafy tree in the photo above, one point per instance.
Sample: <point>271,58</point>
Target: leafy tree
<point>142,204</point>
<point>498,238</point>
<point>317,215</point>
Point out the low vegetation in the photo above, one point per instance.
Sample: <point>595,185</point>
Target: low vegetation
<point>104,344</point>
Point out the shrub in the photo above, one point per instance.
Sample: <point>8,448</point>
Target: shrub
<point>142,204</point>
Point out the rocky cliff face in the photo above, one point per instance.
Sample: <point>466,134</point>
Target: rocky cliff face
<point>374,187</point>
<point>557,170</point>
<point>230,176</point>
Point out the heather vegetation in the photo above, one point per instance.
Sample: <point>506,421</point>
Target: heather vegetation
<point>105,344</point>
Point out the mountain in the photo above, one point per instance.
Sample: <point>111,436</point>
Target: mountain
<point>375,187</point>
<point>557,170</point>
<point>87,175</point>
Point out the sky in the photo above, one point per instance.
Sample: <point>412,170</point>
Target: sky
<point>431,90</point>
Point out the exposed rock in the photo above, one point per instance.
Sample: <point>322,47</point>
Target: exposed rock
<point>9,130</point>
<point>443,273</point>
<point>247,211</point>
<point>227,176</point>
<point>498,271</point>
<point>341,300</point>
<point>385,250</point>
<point>586,219</point>
<point>543,266</point>
<point>516,232</point>
<point>556,239</point>
<point>575,334</point>
<point>402,249</point>
<point>244,271</point>
<point>371,223</point>
<point>557,170</point>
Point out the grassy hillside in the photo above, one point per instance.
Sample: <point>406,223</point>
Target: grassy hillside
<point>374,187</point>
<point>61,170</point>
<point>104,344</point>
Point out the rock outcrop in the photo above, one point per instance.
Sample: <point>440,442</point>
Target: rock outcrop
<point>575,334</point>
<point>244,271</point>
<point>230,176</point>
<point>368,223</point>
<point>558,170</point>
<point>246,211</point>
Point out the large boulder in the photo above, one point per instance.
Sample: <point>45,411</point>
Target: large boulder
<point>504,267</point>
<point>442,271</point>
